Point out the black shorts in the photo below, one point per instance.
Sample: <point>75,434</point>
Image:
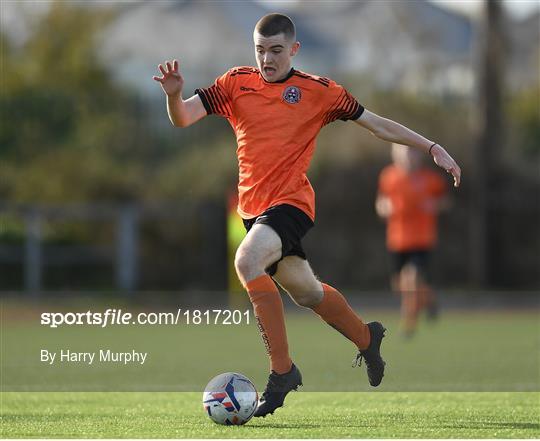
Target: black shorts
<point>290,223</point>
<point>418,258</point>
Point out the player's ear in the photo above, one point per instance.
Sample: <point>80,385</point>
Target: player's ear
<point>294,48</point>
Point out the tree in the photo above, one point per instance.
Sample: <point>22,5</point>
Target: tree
<point>488,149</point>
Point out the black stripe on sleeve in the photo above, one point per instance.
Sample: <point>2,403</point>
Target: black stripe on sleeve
<point>336,110</point>
<point>355,112</point>
<point>212,95</point>
<point>349,109</point>
<point>358,112</point>
<point>225,102</point>
<point>206,104</point>
<point>221,101</point>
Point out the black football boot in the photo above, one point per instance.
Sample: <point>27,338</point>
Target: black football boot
<point>372,355</point>
<point>277,389</point>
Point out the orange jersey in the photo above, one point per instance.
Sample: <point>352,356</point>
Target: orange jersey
<point>276,125</point>
<point>413,222</point>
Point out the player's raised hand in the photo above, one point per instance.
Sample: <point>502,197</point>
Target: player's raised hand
<point>446,162</point>
<point>171,81</point>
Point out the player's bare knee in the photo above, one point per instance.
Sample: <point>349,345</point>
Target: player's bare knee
<point>407,278</point>
<point>248,266</point>
<point>242,264</point>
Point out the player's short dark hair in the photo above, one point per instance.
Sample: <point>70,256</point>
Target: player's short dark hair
<point>274,24</point>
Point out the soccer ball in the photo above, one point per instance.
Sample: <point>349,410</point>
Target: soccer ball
<point>230,399</point>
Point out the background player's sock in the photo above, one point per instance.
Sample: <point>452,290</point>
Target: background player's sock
<point>409,312</point>
<point>268,308</point>
<point>427,296</point>
<point>428,302</point>
<point>335,311</point>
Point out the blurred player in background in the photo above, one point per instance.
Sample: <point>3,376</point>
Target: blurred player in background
<point>276,113</point>
<point>410,197</point>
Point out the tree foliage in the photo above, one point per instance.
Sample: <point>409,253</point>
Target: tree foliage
<point>67,130</point>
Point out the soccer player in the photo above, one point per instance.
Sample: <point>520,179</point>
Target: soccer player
<point>410,196</point>
<point>276,113</point>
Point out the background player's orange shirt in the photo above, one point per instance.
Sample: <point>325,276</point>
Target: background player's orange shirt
<point>412,224</point>
<point>276,125</point>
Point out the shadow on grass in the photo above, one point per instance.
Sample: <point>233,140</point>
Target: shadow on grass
<point>462,425</point>
<point>493,424</point>
<point>283,426</point>
<point>262,425</point>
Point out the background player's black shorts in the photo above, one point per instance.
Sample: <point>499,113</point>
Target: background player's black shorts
<point>290,223</point>
<point>418,258</point>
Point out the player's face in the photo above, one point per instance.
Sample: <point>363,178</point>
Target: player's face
<point>274,55</point>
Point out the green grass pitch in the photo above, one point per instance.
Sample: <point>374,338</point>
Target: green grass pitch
<point>306,415</point>
<point>471,375</point>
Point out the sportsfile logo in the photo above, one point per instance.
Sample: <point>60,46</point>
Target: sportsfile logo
<point>114,317</point>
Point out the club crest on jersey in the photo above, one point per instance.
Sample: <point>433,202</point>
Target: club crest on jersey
<point>292,94</point>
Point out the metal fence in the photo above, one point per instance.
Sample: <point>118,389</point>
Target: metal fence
<point>122,252</point>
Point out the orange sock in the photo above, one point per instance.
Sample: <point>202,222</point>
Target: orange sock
<point>335,311</point>
<point>268,308</point>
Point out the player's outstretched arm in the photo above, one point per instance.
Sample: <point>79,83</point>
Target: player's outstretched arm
<point>391,131</point>
<point>181,113</point>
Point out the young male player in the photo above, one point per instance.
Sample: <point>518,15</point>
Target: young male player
<point>410,196</point>
<point>276,113</point>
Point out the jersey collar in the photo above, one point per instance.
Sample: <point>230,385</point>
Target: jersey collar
<point>289,75</point>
